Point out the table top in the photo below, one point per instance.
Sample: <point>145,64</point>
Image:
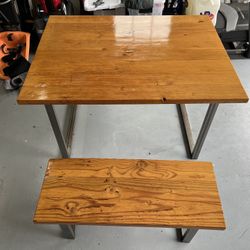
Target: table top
<point>179,194</point>
<point>131,60</point>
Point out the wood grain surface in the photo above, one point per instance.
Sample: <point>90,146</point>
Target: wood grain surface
<point>131,60</point>
<point>179,194</point>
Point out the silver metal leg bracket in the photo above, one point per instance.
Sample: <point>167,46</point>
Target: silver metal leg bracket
<point>194,149</point>
<point>187,236</point>
<point>68,231</point>
<point>62,141</point>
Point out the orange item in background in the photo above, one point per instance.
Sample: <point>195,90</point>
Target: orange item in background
<point>18,37</point>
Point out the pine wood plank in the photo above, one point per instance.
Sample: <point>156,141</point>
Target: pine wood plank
<point>179,194</point>
<point>131,60</point>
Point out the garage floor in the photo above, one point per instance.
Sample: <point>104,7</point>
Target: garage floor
<point>152,132</point>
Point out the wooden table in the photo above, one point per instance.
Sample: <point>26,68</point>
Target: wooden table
<point>132,60</point>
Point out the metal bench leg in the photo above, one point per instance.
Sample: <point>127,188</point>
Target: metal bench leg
<point>187,236</point>
<point>61,141</point>
<point>193,149</point>
<point>68,231</point>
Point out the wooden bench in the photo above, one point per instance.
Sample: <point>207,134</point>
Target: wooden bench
<point>155,193</point>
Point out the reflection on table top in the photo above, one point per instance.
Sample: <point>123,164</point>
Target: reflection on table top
<point>131,59</point>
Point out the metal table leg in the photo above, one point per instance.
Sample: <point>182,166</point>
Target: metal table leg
<point>187,236</point>
<point>193,149</point>
<point>68,231</point>
<point>62,142</point>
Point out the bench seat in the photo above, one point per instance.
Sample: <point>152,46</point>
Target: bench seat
<point>155,193</point>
